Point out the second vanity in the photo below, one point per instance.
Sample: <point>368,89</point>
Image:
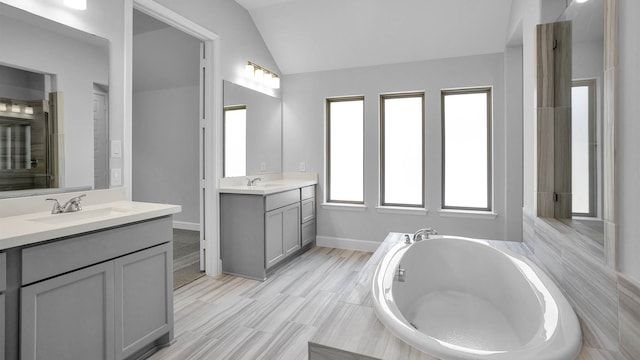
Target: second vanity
<point>92,284</point>
<point>266,224</point>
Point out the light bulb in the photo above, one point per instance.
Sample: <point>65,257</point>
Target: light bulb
<point>76,4</point>
<point>248,70</point>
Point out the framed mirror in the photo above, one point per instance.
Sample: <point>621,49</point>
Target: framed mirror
<point>252,132</point>
<point>67,71</point>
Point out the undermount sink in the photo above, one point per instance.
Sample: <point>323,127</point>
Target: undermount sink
<point>80,215</point>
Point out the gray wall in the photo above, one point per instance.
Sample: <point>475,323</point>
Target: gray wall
<point>166,120</point>
<point>304,127</point>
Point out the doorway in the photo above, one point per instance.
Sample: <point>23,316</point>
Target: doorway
<point>165,132</point>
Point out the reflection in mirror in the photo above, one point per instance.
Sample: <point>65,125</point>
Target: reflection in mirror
<point>587,117</point>
<point>235,141</point>
<point>28,130</point>
<point>252,145</point>
<point>76,65</point>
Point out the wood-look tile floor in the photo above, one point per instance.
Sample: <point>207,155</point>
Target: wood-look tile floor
<point>228,317</point>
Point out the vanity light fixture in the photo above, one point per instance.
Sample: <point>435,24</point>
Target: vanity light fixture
<point>15,108</point>
<point>261,75</point>
<point>76,4</point>
<point>3,107</point>
<point>581,1</point>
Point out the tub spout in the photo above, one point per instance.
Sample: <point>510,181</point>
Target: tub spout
<point>424,234</point>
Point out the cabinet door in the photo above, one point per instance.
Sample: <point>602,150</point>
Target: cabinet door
<point>291,228</point>
<point>274,250</point>
<point>70,316</point>
<point>308,210</point>
<point>143,298</point>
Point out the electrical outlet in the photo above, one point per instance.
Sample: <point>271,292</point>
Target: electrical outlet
<point>263,166</point>
<point>116,177</point>
<point>303,167</point>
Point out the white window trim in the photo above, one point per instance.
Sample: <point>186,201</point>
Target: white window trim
<point>470,214</point>
<point>401,210</point>
<point>344,207</point>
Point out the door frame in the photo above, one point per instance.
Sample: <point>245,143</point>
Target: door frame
<point>210,128</point>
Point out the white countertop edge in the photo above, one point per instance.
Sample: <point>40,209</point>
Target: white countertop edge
<point>267,187</point>
<point>20,230</point>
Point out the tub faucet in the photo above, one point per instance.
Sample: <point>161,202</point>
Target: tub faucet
<point>72,205</point>
<point>252,182</point>
<point>400,275</point>
<point>424,234</point>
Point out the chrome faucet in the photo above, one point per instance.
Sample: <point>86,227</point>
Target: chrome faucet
<point>252,182</point>
<point>424,234</point>
<point>72,205</point>
<point>400,275</point>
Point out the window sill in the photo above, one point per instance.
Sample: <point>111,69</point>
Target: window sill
<point>401,210</point>
<point>344,207</point>
<point>471,214</point>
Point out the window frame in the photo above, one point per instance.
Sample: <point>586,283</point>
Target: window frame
<point>382,98</point>
<point>328,102</point>
<point>591,85</point>
<point>488,90</point>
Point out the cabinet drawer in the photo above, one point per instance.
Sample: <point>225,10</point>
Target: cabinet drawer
<point>308,232</point>
<point>3,272</point>
<point>308,192</point>
<point>281,199</point>
<point>58,257</point>
<point>308,210</point>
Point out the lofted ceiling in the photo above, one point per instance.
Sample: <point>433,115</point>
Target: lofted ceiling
<point>311,35</point>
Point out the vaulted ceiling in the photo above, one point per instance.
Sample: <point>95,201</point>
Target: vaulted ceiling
<point>312,35</point>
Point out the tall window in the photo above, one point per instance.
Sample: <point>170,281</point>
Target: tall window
<point>345,150</point>
<point>402,149</point>
<point>466,149</point>
<point>583,148</point>
<point>235,141</point>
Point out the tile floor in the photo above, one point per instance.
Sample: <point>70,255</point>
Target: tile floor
<point>228,317</point>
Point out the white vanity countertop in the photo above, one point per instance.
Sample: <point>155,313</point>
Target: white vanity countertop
<point>269,183</point>
<point>21,230</point>
<point>267,187</point>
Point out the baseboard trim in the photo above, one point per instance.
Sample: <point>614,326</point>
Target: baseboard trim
<point>347,244</point>
<point>186,226</point>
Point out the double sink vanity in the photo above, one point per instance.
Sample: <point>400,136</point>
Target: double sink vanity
<point>95,280</point>
<point>91,284</point>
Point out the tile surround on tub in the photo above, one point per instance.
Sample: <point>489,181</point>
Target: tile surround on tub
<point>607,302</point>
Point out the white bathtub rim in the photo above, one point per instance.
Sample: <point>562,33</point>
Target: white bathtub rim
<point>567,333</point>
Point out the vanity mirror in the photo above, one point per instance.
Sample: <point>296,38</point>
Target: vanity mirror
<point>252,132</point>
<point>41,57</point>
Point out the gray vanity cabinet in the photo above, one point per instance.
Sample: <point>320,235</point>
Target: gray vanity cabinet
<point>104,295</point>
<point>258,232</point>
<point>3,287</point>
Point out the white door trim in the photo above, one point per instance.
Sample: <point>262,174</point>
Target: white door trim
<point>211,123</point>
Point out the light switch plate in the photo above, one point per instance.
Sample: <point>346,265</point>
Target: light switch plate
<point>303,167</point>
<point>116,177</point>
<point>116,148</point>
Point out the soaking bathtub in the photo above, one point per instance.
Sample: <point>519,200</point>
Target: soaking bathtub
<point>460,298</point>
